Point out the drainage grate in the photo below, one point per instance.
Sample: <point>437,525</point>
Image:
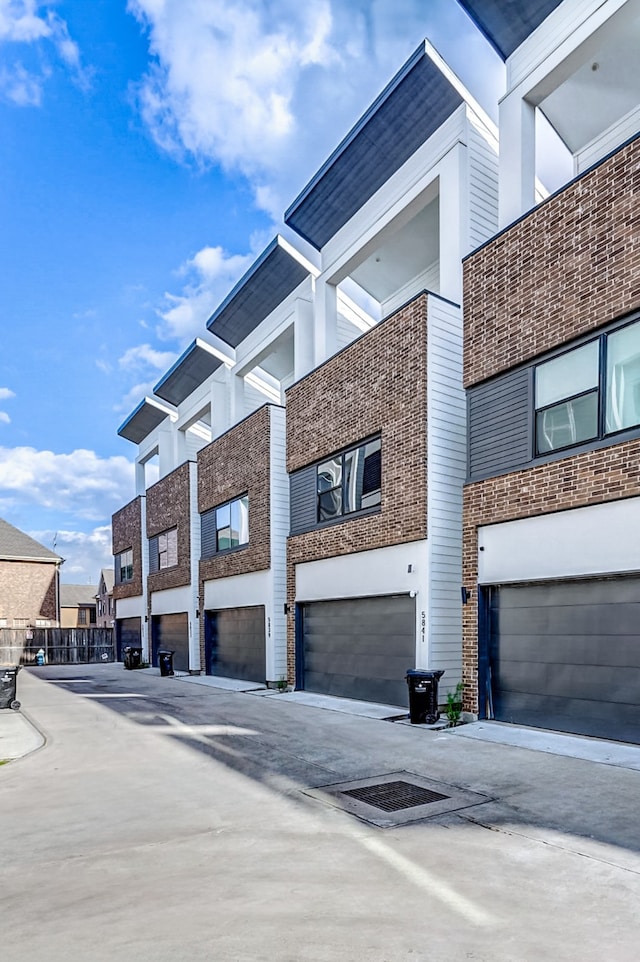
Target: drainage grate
<point>394,796</point>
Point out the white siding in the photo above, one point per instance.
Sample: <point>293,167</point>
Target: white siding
<point>253,399</point>
<point>482,160</point>
<point>446,470</point>
<point>616,135</point>
<point>276,628</point>
<point>427,280</point>
<point>194,624</point>
<point>346,332</point>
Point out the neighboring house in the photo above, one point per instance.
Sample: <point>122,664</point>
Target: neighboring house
<point>78,606</point>
<point>105,605</point>
<point>29,581</point>
<point>319,354</point>
<point>552,371</point>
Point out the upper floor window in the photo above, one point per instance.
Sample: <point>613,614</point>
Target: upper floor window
<point>349,482</point>
<point>232,524</point>
<point>124,566</point>
<point>225,527</point>
<point>163,550</point>
<point>589,392</point>
<point>82,616</point>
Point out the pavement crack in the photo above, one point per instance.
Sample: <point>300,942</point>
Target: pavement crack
<point>549,843</point>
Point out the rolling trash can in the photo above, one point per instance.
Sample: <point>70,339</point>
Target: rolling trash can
<point>423,696</point>
<point>165,660</point>
<point>8,678</point>
<point>132,657</point>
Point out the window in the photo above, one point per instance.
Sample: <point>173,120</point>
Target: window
<point>349,482</point>
<point>232,524</point>
<point>20,622</point>
<point>124,566</point>
<point>3,622</point>
<point>168,549</point>
<point>42,623</point>
<point>589,392</point>
<point>82,616</point>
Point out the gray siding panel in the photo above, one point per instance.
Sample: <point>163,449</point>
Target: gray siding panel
<point>302,499</point>
<point>208,533</point>
<point>500,424</point>
<point>154,555</point>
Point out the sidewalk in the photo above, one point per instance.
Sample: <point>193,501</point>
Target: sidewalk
<point>18,736</point>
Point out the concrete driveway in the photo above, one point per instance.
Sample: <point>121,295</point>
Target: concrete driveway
<point>165,821</point>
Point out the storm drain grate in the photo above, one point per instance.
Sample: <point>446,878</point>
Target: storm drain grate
<point>394,796</point>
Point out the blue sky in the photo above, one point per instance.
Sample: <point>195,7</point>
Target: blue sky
<point>147,151</point>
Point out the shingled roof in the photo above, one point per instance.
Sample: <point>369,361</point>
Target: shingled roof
<point>16,545</point>
<point>76,596</point>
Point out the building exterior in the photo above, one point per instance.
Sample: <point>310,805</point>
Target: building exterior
<point>29,581</point>
<point>552,372</point>
<point>105,606</point>
<point>339,351</point>
<point>78,606</point>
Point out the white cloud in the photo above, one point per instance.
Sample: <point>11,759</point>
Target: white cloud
<point>144,356</point>
<point>20,23</point>
<point>268,88</point>
<point>4,418</point>
<point>80,484</point>
<point>85,553</point>
<point>5,393</point>
<point>33,22</point>
<point>22,88</point>
<point>133,397</point>
<point>209,276</point>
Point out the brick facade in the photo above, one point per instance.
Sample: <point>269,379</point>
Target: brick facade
<point>375,385</point>
<point>27,591</point>
<point>235,464</point>
<point>169,506</point>
<point>126,532</point>
<point>565,269</point>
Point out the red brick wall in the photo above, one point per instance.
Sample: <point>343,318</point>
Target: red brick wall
<point>593,477</point>
<point>377,384</point>
<point>27,590</point>
<point>168,506</point>
<point>568,267</point>
<point>126,532</point>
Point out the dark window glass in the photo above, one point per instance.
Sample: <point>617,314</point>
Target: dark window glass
<point>623,379</point>
<point>232,524</point>
<point>568,423</point>
<point>349,482</point>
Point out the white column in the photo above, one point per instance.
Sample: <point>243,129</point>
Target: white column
<point>165,451</point>
<point>236,398</point>
<point>517,158</point>
<point>194,619</point>
<point>220,405</point>
<point>180,446</point>
<point>303,338</point>
<point>453,239</point>
<point>326,321</point>
<point>140,478</point>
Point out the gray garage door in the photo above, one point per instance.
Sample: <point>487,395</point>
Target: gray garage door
<point>128,633</point>
<point>566,656</point>
<point>172,632</point>
<point>235,643</point>
<point>360,648</point>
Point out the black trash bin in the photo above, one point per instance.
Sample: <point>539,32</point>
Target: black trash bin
<point>8,677</point>
<point>165,660</point>
<point>132,657</point>
<point>423,695</point>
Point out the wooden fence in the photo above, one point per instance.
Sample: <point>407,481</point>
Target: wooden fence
<point>61,646</point>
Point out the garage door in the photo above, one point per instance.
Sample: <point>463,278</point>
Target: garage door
<point>360,648</point>
<point>128,633</point>
<point>172,632</point>
<point>235,643</point>
<point>566,656</point>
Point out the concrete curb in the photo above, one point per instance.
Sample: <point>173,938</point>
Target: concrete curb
<point>19,735</point>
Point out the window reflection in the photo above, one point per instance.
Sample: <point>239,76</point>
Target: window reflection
<point>350,482</point>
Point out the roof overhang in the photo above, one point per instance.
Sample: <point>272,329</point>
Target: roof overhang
<point>144,419</point>
<point>271,278</point>
<point>408,111</point>
<point>507,23</point>
<point>192,369</point>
